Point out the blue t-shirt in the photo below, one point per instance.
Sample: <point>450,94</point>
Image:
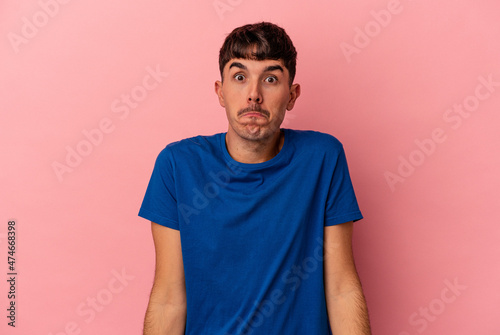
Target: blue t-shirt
<point>252,234</point>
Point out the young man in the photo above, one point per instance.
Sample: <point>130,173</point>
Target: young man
<point>252,228</point>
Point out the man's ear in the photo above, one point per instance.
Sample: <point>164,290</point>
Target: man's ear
<point>218,91</point>
<point>294,94</point>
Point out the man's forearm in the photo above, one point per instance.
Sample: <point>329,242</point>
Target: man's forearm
<point>348,313</point>
<point>164,319</point>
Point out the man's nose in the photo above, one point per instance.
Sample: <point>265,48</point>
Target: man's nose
<point>254,93</point>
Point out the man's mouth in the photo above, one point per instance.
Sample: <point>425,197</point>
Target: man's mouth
<point>253,114</point>
<point>253,111</point>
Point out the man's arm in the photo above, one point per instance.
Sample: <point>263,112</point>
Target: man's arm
<point>166,312</point>
<point>347,311</point>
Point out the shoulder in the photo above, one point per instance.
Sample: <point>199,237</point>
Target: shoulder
<point>191,147</point>
<point>315,141</point>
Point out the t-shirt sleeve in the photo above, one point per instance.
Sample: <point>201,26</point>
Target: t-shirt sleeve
<point>160,203</point>
<point>342,205</point>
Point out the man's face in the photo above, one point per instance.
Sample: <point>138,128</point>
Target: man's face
<point>256,95</point>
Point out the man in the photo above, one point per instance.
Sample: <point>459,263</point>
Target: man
<point>252,228</point>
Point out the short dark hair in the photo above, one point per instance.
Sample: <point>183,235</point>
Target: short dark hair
<point>259,41</point>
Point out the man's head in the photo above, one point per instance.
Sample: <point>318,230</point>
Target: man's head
<point>259,41</point>
<point>257,65</point>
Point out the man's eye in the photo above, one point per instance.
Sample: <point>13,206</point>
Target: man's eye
<point>239,77</point>
<point>271,80</point>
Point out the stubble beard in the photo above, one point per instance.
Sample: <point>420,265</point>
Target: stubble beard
<point>255,131</point>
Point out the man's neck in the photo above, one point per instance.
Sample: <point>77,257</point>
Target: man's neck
<point>252,152</point>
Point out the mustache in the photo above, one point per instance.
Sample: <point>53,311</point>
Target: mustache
<point>254,108</point>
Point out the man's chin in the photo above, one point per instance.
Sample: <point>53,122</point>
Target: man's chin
<point>253,129</point>
<point>256,133</point>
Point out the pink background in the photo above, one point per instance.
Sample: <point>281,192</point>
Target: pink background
<point>85,259</point>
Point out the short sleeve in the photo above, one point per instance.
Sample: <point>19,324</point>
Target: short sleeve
<point>160,204</point>
<point>342,205</point>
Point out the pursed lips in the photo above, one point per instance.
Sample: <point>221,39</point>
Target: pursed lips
<point>253,114</point>
<point>254,111</point>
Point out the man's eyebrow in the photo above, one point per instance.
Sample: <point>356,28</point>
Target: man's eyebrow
<point>239,65</point>
<point>273,68</point>
<point>267,69</point>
